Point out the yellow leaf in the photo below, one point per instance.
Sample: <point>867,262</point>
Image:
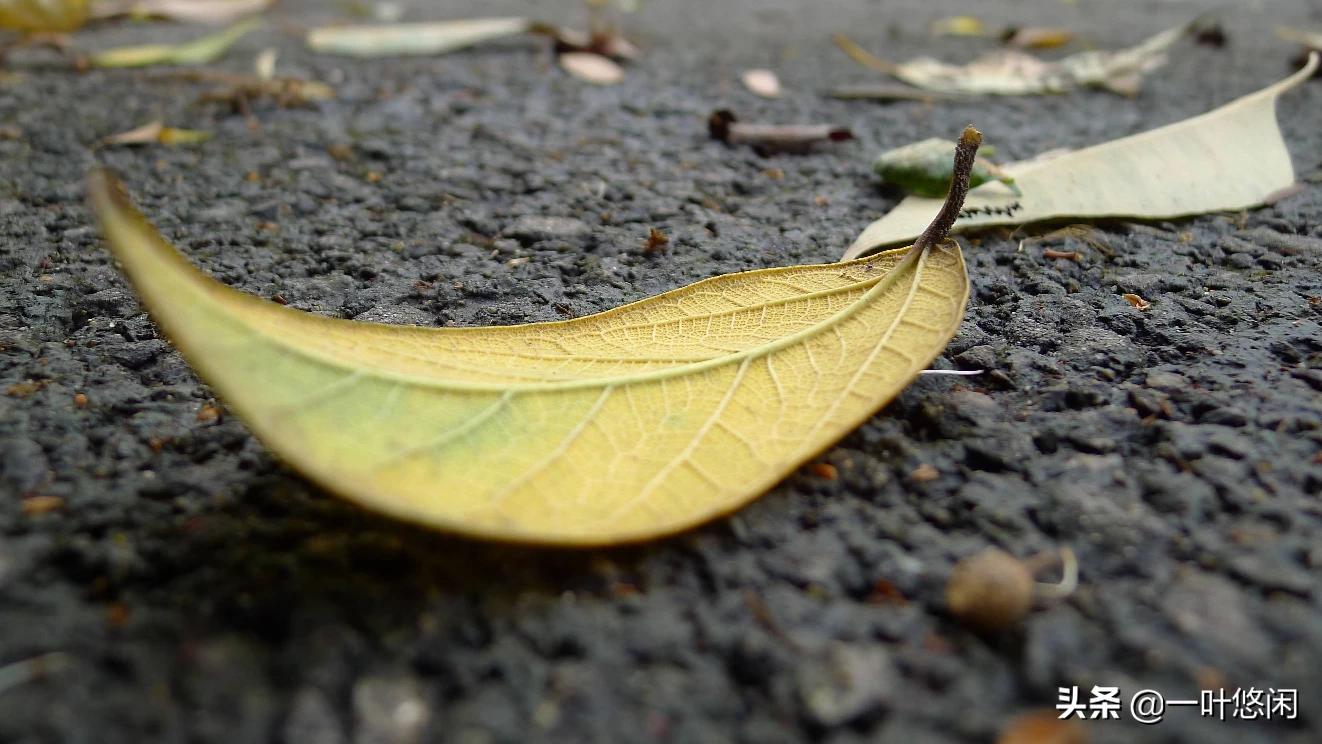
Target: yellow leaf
<point>1230,158</point>
<point>621,426</point>
<point>195,52</point>
<point>40,16</point>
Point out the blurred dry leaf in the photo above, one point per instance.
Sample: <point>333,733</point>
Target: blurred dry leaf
<point>156,133</point>
<point>1231,158</point>
<point>1038,37</point>
<point>187,11</point>
<point>622,426</point>
<point>1011,72</point>
<point>196,52</point>
<point>43,16</point>
<point>762,82</point>
<point>413,38</point>
<point>594,68</point>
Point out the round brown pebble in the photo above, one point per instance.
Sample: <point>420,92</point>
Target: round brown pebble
<point>991,590</point>
<point>80,400</point>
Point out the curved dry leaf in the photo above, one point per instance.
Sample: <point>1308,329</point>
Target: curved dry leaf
<point>593,68</point>
<point>39,16</point>
<point>413,38</point>
<point>1231,158</point>
<point>187,11</point>
<point>762,82</point>
<point>195,52</point>
<point>626,425</point>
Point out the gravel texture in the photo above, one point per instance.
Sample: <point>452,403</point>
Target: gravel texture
<point>202,592</point>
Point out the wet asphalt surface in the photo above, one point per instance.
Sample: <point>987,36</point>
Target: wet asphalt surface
<point>199,591</point>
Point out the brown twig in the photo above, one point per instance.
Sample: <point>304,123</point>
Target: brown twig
<point>965,153</point>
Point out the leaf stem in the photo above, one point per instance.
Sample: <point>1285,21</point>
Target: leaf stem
<point>965,152</point>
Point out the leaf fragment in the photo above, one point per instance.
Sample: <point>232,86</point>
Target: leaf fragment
<point>413,38</point>
<point>157,133</point>
<point>593,68</point>
<point>187,11</point>
<point>1230,158</point>
<point>622,426</point>
<point>196,52</point>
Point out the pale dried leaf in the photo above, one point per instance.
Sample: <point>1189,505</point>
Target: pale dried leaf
<point>1011,72</point>
<point>413,38</point>
<point>593,68</point>
<point>622,426</point>
<point>1231,158</point>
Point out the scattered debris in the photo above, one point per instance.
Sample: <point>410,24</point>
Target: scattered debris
<point>925,168</point>
<point>1042,727</point>
<point>761,82</point>
<point>655,242</point>
<point>156,133</point>
<point>1210,33</point>
<point>767,138</point>
<point>209,413</point>
<point>1067,255</point>
<point>924,473</point>
<point>991,590</point>
<point>413,38</point>
<point>1138,302</point>
<point>187,11</point>
<point>1235,154</point>
<point>605,41</point>
<point>195,52</point>
<point>962,25</point>
<point>263,64</point>
<point>1012,72</point>
<point>825,471</point>
<point>37,505</point>
<point>1037,37</point>
<point>593,68</point>
<point>240,91</point>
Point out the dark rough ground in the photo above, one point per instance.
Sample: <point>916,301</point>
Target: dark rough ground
<point>204,593</point>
